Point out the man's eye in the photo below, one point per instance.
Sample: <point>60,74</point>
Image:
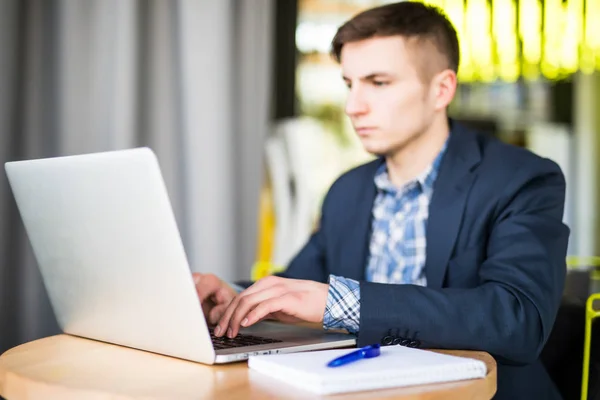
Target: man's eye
<point>348,85</point>
<point>380,83</point>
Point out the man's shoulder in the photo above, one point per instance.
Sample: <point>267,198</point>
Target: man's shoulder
<point>508,159</point>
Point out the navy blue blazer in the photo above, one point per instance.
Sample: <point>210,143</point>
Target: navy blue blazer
<point>495,261</point>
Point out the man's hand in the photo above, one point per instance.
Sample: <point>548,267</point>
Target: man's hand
<point>288,300</point>
<point>214,294</point>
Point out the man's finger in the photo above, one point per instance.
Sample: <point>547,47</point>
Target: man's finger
<point>223,296</point>
<point>216,313</point>
<point>285,304</point>
<point>206,307</point>
<point>265,283</point>
<point>221,328</point>
<point>206,286</point>
<point>246,304</point>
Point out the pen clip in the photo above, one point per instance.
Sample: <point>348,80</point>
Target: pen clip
<point>365,352</point>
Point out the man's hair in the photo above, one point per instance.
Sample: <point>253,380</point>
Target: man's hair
<point>411,20</point>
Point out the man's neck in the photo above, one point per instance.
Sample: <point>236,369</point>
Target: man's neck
<point>410,161</point>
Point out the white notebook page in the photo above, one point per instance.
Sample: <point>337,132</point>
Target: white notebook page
<point>396,366</point>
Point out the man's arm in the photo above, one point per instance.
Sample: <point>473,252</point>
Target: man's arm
<point>511,313</point>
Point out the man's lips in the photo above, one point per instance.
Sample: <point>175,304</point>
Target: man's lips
<point>364,130</point>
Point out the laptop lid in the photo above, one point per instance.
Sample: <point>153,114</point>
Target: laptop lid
<point>109,251</point>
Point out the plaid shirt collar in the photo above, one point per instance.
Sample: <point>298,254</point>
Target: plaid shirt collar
<point>424,180</point>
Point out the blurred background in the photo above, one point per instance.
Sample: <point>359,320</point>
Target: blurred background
<point>244,108</point>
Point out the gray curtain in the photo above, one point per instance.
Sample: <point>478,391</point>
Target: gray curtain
<point>189,78</point>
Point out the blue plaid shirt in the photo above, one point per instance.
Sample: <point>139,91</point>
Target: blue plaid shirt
<point>397,247</point>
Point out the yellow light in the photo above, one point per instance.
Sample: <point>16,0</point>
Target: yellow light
<point>477,29</point>
<point>437,3</point>
<point>504,24</point>
<point>572,35</point>
<point>557,39</point>
<point>591,41</point>
<point>553,30</point>
<point>456,13</point>
<point>530,31</point>
<point>592,24</point>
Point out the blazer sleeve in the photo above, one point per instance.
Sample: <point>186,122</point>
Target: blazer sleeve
<point>511,313</point>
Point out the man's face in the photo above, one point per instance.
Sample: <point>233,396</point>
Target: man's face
<point>388,102</point>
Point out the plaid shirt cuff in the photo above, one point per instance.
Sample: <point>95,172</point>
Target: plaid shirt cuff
<point>343,304</point>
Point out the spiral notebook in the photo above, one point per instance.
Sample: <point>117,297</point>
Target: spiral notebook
<point>397,366</point>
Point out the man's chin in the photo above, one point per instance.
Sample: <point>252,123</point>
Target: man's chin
<point>375,150</point>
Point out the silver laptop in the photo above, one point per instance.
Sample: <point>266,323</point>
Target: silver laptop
<point>111,257</point>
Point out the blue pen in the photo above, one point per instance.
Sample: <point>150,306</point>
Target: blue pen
<point>365,352</point>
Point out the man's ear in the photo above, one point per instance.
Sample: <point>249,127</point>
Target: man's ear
<point>444,86</point>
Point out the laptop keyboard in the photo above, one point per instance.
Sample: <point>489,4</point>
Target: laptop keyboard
<point>240,340</point>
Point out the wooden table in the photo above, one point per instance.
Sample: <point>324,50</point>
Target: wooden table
<point>67,367</point>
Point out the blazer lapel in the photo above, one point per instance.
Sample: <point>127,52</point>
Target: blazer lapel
<point>357,231</point>
<point>451,188</point>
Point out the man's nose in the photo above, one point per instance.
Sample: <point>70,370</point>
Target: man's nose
<point>355,103</point>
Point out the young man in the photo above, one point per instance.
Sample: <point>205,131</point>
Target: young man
<point>449,239</point>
